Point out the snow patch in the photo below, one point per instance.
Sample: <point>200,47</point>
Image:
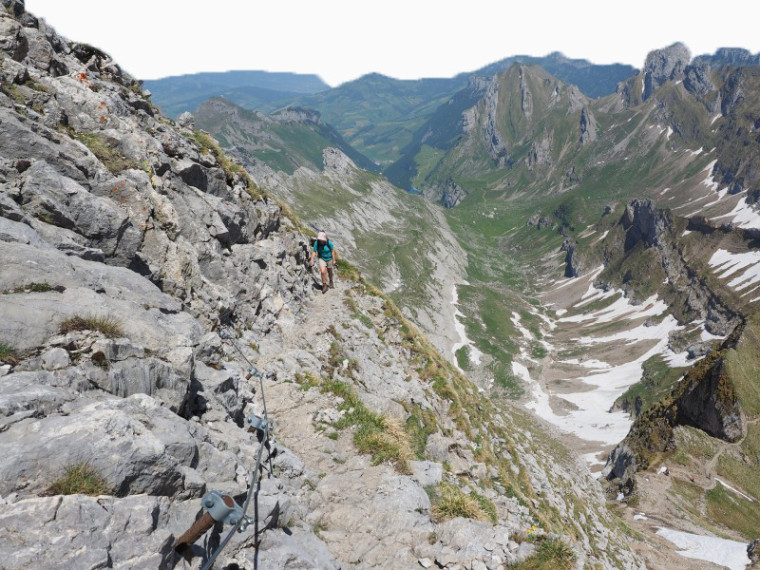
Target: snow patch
<point>735,490</point>
<point>622,307</point>
<point>729,553</point>
<point>743,215</point>
<point>726,264</point>
<point>474,354</point>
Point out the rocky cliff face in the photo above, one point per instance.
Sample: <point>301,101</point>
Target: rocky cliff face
<point>705,399</point>
<point>127,245</point>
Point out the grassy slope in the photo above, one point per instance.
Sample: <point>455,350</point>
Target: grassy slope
<point>284,145</point>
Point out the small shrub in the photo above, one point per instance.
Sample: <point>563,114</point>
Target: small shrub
<point>79,478</point>
<point>109,327</point>
<point>8,354</point>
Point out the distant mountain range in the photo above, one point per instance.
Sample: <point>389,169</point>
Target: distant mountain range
<point>177,94</point>
<point>378,115</point>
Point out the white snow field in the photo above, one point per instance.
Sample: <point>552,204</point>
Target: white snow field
<point>589,417</point>
<point>728,553</point>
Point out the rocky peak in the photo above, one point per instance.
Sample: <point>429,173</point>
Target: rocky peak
<point>697,78</point>
<point>664,65</point>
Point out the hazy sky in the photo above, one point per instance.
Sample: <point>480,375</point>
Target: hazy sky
<point>340,40</point>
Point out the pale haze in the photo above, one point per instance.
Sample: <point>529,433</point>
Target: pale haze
<point>340,40</point>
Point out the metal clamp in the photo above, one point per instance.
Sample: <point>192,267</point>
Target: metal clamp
<point>222,508</point>
<point>259,424</point>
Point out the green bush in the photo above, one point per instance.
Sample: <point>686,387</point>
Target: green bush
<point>79,478</point>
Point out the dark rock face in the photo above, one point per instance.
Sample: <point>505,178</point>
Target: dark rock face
<point>753,553</point>
<point>697,79</point>
<point>664,65</point>
<point>621,467</point>
<point>711,405</point>
<point>573,268</point>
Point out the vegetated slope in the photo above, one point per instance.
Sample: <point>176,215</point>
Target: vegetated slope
<point>378,114</point>
<point>127,245</point>
<point>174,95</point>
<point>399,241</point>
<point>286,140</point>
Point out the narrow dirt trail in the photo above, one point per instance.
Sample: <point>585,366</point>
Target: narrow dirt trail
<point>321,311</point>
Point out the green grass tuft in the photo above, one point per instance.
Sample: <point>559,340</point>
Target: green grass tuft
<point>552,554</point>
<point>108,326</point>
<point>449,502</point>
<point>8,354</point>
<point>79,478</point>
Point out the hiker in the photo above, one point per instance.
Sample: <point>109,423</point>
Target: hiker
<point>325,251</point>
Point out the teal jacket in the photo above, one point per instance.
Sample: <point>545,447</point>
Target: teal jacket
<point>324,251</point>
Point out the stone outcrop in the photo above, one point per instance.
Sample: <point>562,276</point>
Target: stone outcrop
<point>497,148</point>
<point>588,126</point>
<point>540,154</point>
<point>449,194</point>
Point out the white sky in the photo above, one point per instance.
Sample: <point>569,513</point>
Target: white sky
<point>340,40</point>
